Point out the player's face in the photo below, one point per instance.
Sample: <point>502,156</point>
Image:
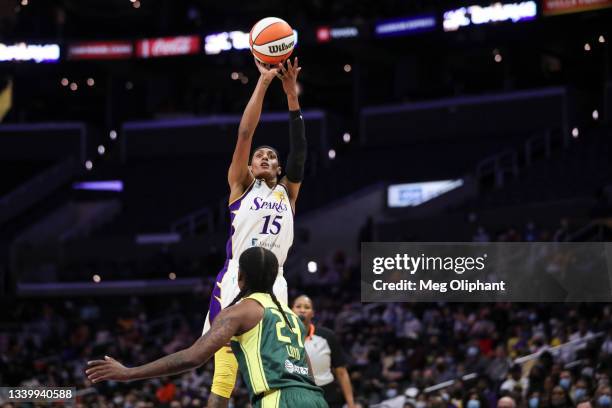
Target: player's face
<point>303,308</point>
<point>264,164</point>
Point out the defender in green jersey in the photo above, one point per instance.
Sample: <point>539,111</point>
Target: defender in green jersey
<point>266,337</point>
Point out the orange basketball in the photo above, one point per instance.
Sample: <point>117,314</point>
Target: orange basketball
<point>272,40</point>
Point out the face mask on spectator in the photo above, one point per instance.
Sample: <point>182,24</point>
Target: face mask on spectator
<point>534,402</point>
<point>565,383</point>
<point>421,404</point>
<point>579,393</point>
<point>473,404</point>
<point>604,401</point>
<point>392,392</point>
<point>472,351</point>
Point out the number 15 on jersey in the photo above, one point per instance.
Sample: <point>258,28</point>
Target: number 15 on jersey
<point>271,224</point>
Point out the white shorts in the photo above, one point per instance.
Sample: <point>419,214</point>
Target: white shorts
<point>228,286</point>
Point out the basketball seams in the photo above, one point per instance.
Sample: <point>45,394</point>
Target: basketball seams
<point>261,49</point>
<point>264,30</point>
<point>263,23</point>
<point>273,41</point>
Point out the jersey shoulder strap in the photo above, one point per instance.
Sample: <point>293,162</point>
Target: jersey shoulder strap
<point>263,299</point>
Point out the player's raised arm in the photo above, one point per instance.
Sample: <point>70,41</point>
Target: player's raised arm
<point>233,320</point>
<point>297,136</point>
<point>239,177</point>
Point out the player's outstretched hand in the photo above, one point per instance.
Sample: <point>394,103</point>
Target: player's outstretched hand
<point>267,74</point>
<point>289,76</point>
<point>105,370</point>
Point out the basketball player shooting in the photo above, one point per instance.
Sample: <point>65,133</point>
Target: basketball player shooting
<point>261,208</point>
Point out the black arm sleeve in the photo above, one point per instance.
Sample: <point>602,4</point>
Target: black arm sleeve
<point>297,147</point>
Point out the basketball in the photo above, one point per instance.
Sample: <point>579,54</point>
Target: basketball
<point>272,40</point>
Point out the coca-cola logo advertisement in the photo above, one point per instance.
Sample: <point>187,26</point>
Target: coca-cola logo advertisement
<point>168,46</point>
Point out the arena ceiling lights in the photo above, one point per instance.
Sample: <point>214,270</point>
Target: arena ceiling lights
<point>107,185</point>
<point>30,52</point>
<point>497,12</point>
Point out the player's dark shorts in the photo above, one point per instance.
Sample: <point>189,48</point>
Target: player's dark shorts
<point>292,397</point>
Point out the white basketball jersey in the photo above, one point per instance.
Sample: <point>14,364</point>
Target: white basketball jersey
<point>262,217</point>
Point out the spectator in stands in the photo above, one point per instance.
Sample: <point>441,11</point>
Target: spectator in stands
<point>514,380</point>
<point>506,402</point>
<point>412,326</point>
<point>580,391</point>
<point>606,346</point>
<point>481,235</point>
<point>534,400</point>
<point>565,380</point>
<point>371,333</point>
<point>475,400</point>
<point>394,364</point>
<point>500,365</point>
<point>475,362</point>
<point>603,396</point>
<point>531,233</point>
<point>559,398</point>
<point>445,372</point>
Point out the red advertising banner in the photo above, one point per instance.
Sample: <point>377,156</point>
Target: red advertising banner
<point>168,46</point>
<point>552,7</point>
<point>323,34</point>
<point>101,50</point>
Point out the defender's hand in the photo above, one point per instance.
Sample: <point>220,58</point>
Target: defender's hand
<point>105,370</point>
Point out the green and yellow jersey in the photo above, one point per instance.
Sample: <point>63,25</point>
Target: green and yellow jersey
<point>271,356</point>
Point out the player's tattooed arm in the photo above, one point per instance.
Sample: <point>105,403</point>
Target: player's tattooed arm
<point>221,332</point>
<point>226,325</point>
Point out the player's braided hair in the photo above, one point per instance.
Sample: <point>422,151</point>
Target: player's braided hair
<point>259,267</point>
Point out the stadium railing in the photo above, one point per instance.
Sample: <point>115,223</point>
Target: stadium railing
<point>36,189</point>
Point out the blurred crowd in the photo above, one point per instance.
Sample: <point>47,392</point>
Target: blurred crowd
<point>529,233</point>
<point>398,353</point>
